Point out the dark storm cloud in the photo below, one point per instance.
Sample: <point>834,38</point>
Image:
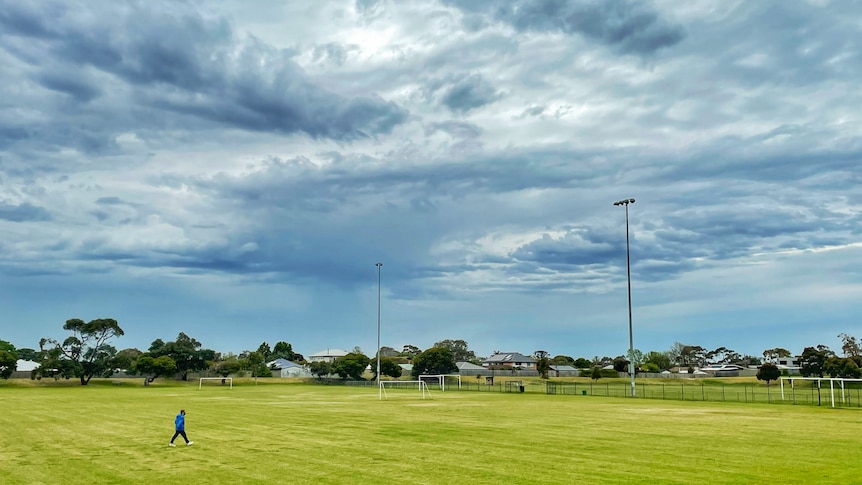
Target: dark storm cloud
<point>162,58</point>
<point>468,93</point>
<point>627,26</point>
<point>23,213</point>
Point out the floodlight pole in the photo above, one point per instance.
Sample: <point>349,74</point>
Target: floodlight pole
<point>626,202</point>
<point>379,389</point>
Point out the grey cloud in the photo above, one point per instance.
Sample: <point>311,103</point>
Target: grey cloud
<point>23,213</point>
<point>468,93</point>
<point>458,129</point>
<point>69,83</point>
<point>627,26</point>
<point>167,57</point>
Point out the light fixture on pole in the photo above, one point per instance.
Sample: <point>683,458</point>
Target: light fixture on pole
<point>626,202</point>
<point>379,389</point>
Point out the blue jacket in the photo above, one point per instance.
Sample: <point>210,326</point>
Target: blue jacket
<point>180,422</point>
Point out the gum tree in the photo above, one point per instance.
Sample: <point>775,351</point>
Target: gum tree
<point>86,352</point>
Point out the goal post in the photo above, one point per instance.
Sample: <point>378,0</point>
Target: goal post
<point>441,379</point>
<point>421,385</point>
<point>228,380</point>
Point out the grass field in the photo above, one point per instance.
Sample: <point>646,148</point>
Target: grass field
<point>303,433</point>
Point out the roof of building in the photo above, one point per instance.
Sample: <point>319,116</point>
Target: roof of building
<point>330,353</point>
<point>468,366</point>
<point>282,364</point>
<point>509,357</point>
<point>562,367</point>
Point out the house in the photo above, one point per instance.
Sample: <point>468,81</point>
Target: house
<point>722,370</point>
<point>470,369</point>
<point>510,359</point>
<point>328,355</point>
<point>286,368</point>
<point>563,371</point>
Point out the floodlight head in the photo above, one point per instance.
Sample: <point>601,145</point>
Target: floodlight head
<point>378,264</point>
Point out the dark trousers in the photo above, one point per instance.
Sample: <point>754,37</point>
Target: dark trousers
<point>182,433</point>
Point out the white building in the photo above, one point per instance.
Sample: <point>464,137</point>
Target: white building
<point>328,355</point>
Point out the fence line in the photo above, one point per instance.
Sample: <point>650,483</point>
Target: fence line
<point>712,392</point>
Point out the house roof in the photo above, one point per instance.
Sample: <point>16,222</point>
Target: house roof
<point>468,366</point>
<point>562,367</point>
<point>509,358</point>
<point>26,365</point>
<point>330,353</point>
<point>282,364</point>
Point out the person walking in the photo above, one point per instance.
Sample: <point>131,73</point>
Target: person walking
<point>180,425</point>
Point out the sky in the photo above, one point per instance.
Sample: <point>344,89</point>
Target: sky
<point>234,171</point>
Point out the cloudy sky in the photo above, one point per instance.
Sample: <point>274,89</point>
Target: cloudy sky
<point>234,171</point>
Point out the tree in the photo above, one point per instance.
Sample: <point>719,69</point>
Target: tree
<point>320,369</point>
<point>264,350</point>
<point>772,355</point>
<point>768,372</point>
<point>543,363</point>
<point>813,360</point>
<point>435,361</point>
<point>154,368</point>
<point>283,350</point>
<point>651,368</point>
<point>844,367</point>
<point>722,355</point>
<point>125,359</point>
<point>582,363</point>
<point>661,360</point>
<point>692,355</point>
<point>849,345</point>
<point>8,359</point>
<point>257,365</point>
<point>388,367</point>
<point>621,364</point>
<point>351,366</point>
<point>87,349</point>
<point>228,366</point>
<point>186,352</point>
<point>410,351</point>
<point>563,360</point>
<point>459,349</point>
<point>595,373</point>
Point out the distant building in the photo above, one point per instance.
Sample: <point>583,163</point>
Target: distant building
<point>286,368</point>
<point>328,355</point>
<point>510,359</point>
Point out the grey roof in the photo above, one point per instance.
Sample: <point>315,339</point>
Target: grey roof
<point>283,364</point>
<point>509,357</point>
<point>330,353</point>
<point>468,366</point>
<point>562,367</point>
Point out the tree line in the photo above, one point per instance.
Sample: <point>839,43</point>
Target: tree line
<point>87,353</point>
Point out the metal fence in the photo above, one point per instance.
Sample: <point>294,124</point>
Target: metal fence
<point>813,395</point>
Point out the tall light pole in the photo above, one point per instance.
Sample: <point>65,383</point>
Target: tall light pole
<point>626,202</point>
<point>379,389</point>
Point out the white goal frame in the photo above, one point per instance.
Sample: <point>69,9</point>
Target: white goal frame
<point>832,381</point>
<point>422,385</point>
<point>201,383</point>
<point>441,379</point>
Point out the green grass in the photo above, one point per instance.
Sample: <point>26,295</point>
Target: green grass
<point>302,433</point>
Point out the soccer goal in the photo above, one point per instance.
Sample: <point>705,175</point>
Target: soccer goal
<point>441,379</point>
<point>224,380</point>
<point>399,386</point>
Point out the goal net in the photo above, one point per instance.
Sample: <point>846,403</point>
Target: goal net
<point>404,388</point>
<point>442,380</point>
<point>221,381</point>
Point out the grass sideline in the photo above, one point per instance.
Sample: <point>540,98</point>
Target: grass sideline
<point>303,433</point>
